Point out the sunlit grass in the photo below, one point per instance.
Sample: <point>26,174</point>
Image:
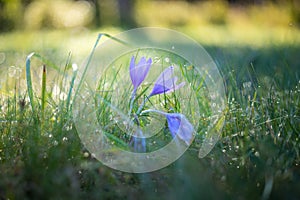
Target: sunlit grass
<point>260,138</point>
<point>217,23</point>
<point>76,40</point>
<point>58,42</point>
<point>257,157</point>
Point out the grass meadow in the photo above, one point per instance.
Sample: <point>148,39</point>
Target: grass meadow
<point>257,156</point>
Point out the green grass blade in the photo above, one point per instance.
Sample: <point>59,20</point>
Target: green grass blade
<point>43,100</point>
<point>75,70</point>
<point>29,82</point>
<point>47,62</point>
<point>88,63</point>
<point>91,56</point>
<point>213,135</point>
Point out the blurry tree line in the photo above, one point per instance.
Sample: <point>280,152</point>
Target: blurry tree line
<point>37,14</point>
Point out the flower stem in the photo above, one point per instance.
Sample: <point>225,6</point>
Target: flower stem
<point>151,110</point>
<point>142,105</point>
<point>131,101</point>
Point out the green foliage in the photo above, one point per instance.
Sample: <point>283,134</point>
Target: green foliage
<point>10,14</point>
<point>58,14</point>
<point>42,156</point>
<point>62,14</point>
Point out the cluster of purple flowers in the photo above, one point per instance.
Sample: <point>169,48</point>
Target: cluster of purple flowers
<point>166,82</point>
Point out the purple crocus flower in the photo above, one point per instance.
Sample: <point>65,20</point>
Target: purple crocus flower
<point>166,82</point>
<point>139,72</point>
<point>179,124</point>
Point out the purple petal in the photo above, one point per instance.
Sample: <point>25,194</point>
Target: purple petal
<point>139,72</point>
<point>158,89</point>
<point>173,123</point>
<point>166,83</point>
<point>176,87</point>
<point>165,75</point>
<point>179,125</point>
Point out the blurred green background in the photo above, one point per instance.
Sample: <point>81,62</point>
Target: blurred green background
<point>47,14</point>
<point>255,44</point>
<point>263,34</point>
<point>215,22</point>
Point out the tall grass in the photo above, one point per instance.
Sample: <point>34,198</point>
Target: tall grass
<point>258,155</point>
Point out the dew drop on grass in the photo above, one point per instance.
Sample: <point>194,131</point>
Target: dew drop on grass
<point>234,135</point>
<point>55,90</point>
<point>63,96</point>
<point>247,84</point>
<point>68,127</point>
<point>65,139</point>
<point>156,59</point>
<point>86,154</point>
<point>167,60</point>
<point>74,67</point>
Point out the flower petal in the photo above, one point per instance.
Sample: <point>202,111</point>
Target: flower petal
<point>179,125</point>
<point>139,72</point>
<point>166,82</point>
<point>176,87</point>
<point>165,75</point>
<point>173,123</point>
